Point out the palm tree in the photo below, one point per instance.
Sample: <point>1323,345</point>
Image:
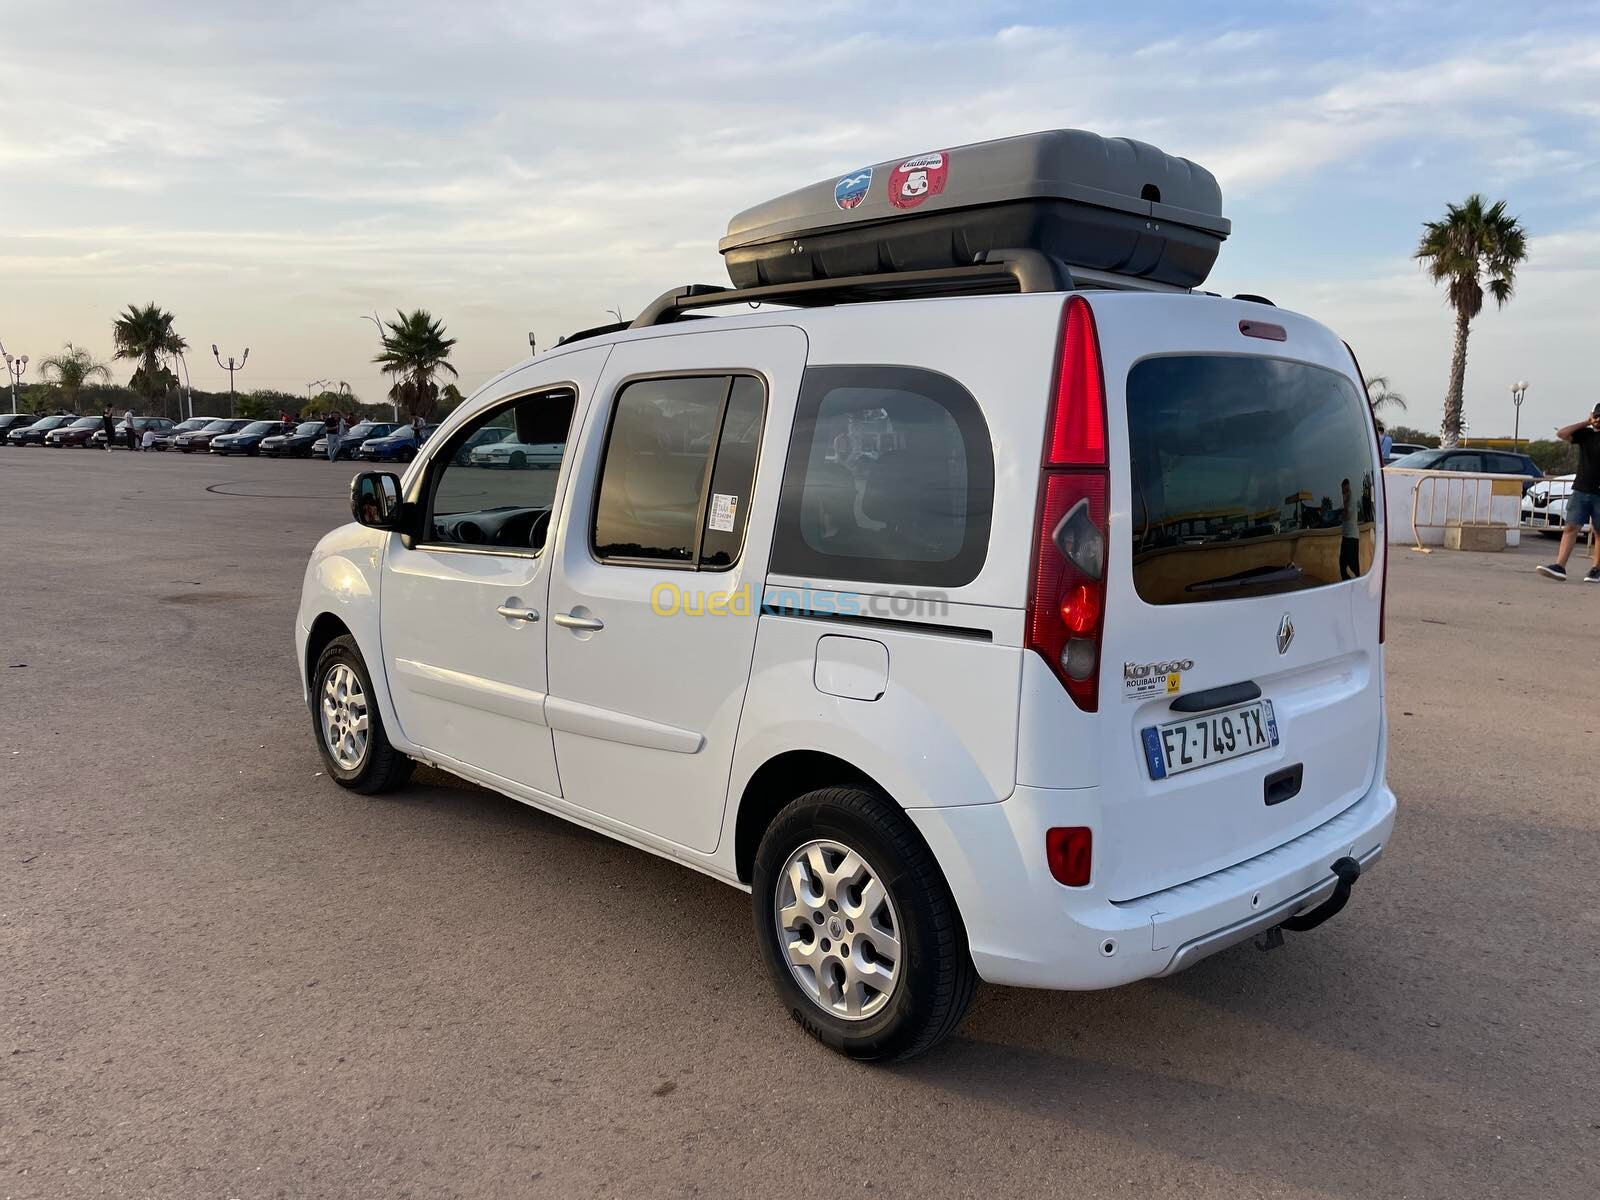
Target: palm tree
<point>415,349</point>
<point>1380,394</point>
<point>71,369</point>
<point>1473,240</point>
<point>146,335</point>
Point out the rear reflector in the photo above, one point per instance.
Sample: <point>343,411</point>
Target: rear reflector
<point>1070,853</point>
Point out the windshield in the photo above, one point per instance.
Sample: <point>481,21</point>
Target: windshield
<point>1419,459</point>
<point>262,427</point>
<point>219,426</point>
<point>309,427</point>
<point>85,423</point>
<point>367,429</point>
<point>1250,476</point>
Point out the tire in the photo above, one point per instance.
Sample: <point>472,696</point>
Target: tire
<point>378,767</point>
<point>517,461</point>
<point>933,979</point>
<point>407,454</point>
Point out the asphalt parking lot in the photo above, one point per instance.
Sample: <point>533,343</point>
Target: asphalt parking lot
<point>222,976</point>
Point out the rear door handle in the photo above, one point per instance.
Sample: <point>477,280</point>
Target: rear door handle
<point>518,614</point>
<point>573,621</point>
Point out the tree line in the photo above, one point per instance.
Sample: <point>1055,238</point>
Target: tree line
<point>414,351</point>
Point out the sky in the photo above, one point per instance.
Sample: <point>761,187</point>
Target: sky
<point>269,173</point>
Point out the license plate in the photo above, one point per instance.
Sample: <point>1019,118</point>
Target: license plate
<point>1196,742</point>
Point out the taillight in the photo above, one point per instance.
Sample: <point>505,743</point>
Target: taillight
<point>1067,591</point>
<point>1070,853</point>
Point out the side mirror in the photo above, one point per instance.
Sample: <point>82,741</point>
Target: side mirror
<point>375,500</point>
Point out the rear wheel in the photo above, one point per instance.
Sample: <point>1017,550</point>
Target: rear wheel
<point>857,926</point>
<point>518,460</point>
<point>348,725</point>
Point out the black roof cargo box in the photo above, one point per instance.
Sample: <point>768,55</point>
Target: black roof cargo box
<point>1106,204</point>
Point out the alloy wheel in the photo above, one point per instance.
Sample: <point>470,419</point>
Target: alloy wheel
<point>838,929</point>
<point>344,717</point>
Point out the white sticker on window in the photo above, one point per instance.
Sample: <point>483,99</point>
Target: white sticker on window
<point>723,509</point>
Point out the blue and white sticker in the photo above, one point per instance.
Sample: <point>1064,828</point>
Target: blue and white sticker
<point>851,190</point>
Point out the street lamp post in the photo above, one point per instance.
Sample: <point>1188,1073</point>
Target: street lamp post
<point>188,388</point>
<point>321,383</point>
<point>1517,391</point>
<point>230,366</point>
<point>14,369</point>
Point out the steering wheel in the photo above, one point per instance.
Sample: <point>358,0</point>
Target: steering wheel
<point>539,530</point>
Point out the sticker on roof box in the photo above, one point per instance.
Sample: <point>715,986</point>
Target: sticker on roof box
<point>914,180</point>
<point>851,190</point>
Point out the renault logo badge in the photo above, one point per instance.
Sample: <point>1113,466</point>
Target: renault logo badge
<point>1285,633</point>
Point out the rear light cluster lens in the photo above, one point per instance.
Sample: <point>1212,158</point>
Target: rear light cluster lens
<point>1070,853</point>
<point>1067,593</point>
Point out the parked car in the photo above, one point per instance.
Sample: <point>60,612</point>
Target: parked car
<point>159,425</point>
<point>247,440</point>
<point>1401,449</point>
<point>296,443</point>
<point>482,437</point>
<point>1544,505</point>
<point>200,439</point>
<point>75,433</point>
<point>978,636</point>
<point>14,421</point>
<point>1486,462</point>
<point>167,437</point>
<point>514,454</point>
<point>33,434</point>
<point>397,446</point>
<point>351,442</point>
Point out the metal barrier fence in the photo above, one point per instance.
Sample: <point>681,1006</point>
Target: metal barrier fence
<point>1457,486</point>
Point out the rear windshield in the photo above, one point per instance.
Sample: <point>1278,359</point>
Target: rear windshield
<point>1250,476</point>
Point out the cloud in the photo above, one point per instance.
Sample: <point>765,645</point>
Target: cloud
<point>516,166</point>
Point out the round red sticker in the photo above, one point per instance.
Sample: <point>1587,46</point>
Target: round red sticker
<point>914,180</point>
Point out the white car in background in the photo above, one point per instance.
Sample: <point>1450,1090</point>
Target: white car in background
<point>1544,505</point>
<point>516,455</point>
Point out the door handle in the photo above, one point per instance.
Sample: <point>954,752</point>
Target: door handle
<point>573,621</point>
<point>518,614</point>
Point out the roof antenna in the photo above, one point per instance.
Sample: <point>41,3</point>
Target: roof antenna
<point>532,349</point>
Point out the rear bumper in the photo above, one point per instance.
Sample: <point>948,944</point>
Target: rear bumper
<point>1026,930</point>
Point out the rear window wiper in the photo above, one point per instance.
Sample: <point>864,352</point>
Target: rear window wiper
<point>1254,577</point>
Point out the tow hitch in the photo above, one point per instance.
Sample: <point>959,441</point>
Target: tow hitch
<point>1348,870</point>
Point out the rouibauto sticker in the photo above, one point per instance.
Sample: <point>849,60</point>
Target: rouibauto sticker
<point>851,190</point>
<point>914,180</point>
<point>1141,681</point>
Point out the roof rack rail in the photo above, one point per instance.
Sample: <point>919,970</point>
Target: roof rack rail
<point>994,271</point>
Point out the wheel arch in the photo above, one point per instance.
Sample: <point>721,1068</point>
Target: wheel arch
<point>324,629</point>
<point>775,783</point>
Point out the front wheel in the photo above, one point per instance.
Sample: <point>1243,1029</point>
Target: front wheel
<point>857,926</point>
<point>348,725</point>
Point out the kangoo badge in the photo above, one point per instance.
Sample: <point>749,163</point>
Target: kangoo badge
<point>914,180</point>
<point>851,190</point>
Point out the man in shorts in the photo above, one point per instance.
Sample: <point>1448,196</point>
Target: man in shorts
<point>1583,505</point>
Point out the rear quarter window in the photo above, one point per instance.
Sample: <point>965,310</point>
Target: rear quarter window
<point>1250,476</point>
<point>889,479</point>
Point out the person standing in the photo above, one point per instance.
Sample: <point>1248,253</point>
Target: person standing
<point>1385,445</point>
<point>1349,536</point>
<point>1583,505</point>
<point>128,430</point>
<point>109,428</point>
<point>336,432</point>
